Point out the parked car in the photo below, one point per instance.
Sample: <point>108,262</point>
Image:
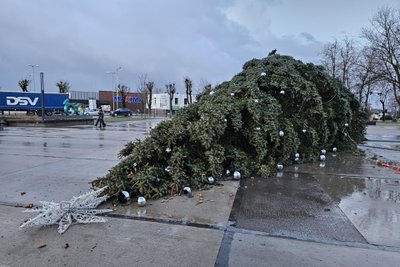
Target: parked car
<point>91,112</point>
<point>121,112</point>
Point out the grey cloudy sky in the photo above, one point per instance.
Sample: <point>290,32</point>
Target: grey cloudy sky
<point>207,40</point>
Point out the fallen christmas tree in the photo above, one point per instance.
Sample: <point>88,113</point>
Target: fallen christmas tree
<point>276,107</point>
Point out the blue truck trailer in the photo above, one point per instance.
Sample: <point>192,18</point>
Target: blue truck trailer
<point>32,102</point>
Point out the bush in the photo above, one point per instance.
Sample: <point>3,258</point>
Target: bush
<point>388,118</point>
<point>237,126</point>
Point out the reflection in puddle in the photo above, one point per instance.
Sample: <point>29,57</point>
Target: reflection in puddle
<point>371,204</point>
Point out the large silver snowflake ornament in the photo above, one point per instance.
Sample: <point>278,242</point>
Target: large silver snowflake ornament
<point>79,209</point>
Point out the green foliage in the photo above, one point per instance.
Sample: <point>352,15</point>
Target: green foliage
<point>24,83</point>
<point>236,127</point>
<point>63,87</point>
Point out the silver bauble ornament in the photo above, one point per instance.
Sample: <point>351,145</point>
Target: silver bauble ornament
<point>210,180</point>
<point>255,100</point>
<point>232,94</point>
<point>334,149</point>
<point>123,196</point>
<point>304,130</point>
<point>236,175</point>
<point>279,166</point>
<point>258,128</point>
<point>134,164</point>
<point>322,157</point>
<point>225,120</point>
<point>323,151</point>
<point>282,92</point>
<point>263,74</point>
<point>346,125</point>
<point>297,155</point>
<point>296,159</point>
<point>168,150</point>
<point>212,92</point>
<point>188,191</point>
<point>322,164</point>
<point>141,201</point>
<point>228,172</point>
<point>167,169</point>
<point>281,133</point>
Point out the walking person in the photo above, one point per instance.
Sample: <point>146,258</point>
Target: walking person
<point>100,118</point>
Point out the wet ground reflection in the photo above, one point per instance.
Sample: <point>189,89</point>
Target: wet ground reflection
<point>347,196</point>
<point>369,195</point>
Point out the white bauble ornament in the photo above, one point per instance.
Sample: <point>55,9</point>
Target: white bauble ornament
<point>141,201</point>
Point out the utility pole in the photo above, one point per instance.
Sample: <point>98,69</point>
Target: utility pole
<point>33,74</point>
<point>116,88</point>
<point>112,88</point>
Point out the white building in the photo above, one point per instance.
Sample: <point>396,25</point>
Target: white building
<point>160,102</point>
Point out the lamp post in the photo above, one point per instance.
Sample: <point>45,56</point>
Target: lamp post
<point>116,88</point>
<point>33,74</point>
<point>112,87</point>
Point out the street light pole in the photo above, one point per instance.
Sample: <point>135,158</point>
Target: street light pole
<point>33,74</point>
<point>112,87</point>
<point>116,88</point>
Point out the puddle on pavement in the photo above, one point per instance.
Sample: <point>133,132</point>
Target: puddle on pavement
<point>368,194</point>
<point>324,203</point>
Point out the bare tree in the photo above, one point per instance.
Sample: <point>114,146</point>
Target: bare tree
<point>188,86</point>
<point>383,95</point>
<point>204,85</point>
<point>384,39</point>
<point>141,88</point>
<point>330,54</point>
<point>149,94</point>
<point>24,83</point>
<point>123,91</point>
<point>366,75</point>
<point>63,87</point>
<point>348,60</point>
<point>171,90</point>
<point>340,59</point>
